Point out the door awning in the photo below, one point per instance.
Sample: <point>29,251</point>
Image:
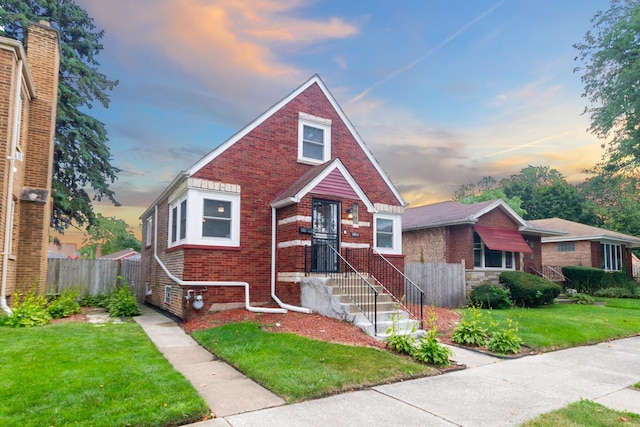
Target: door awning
<point>503,239</point>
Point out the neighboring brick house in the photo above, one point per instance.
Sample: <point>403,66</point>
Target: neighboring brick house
<point>28,97</point>
<point>587,246</point>
<point>256,209</point>
<point>487,237</point>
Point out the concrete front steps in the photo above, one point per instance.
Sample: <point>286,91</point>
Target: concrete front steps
<point>324,296</point>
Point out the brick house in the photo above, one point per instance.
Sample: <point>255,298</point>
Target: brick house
<point>246,224</point>
<point>487,237</point>
<point>587,246</point>
<point>28,97</point>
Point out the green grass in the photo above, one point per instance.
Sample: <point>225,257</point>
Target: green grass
<point>298,368</point>
<point>584,413</point>
<point>78,374</point>
<point>568,325</point>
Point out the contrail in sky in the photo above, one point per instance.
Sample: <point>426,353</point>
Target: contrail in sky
<point>529,144</point>
<point>426,54</point>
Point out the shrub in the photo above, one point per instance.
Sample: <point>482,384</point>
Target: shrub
<point>122,303</point>
<point>64,305</point>
<point>584,279</point>
<point>490,296</point>
<point>470,331</point>
<point>400,343</point>
<point>101,300</point>
<point>429,349</point>
<point>529,290</point>
<point>617,292</point>
<point>505,340</point>
<point>27,312</point>
<point>582,299</point>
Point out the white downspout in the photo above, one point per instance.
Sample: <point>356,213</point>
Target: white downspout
<point>273,269</point>
<point>181,282</point>
<point>7,221</point>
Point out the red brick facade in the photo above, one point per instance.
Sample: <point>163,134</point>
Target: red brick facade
<point>28,93</point>
<point>263,164</point>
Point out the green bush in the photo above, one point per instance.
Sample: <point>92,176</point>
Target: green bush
<point>400,343</point>
<point>582,299</point>
<point>614,279</point>
<point>27,312</point>
<point>505,340</point>
<point>101,300</point>
<point>429,349</point>
<point>586,280</point>
<point>122,303</point>
<point>470,330</point>
<point>617,292</point>
<point>528,290</point>
<point>64,305</point>
<point>490,296</point>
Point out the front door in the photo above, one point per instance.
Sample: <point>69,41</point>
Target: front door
<point>325,218</point>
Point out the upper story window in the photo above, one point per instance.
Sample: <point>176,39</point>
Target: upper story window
<point>611,257</point>
<point>314,139</point>
<point>387,234</point>
<point>205,217</point>
<point>483,257</point>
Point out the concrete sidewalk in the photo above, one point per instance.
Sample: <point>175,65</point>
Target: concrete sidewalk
<point>490,392</point>
<point>225,390</point>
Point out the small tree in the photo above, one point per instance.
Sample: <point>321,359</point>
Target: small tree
<point>112,233</point>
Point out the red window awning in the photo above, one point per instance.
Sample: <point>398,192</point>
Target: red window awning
<point>503,239</point>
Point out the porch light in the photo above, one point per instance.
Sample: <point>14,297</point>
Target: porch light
<point>349,214</point>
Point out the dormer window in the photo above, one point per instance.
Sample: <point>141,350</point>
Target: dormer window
<point>314,139</point>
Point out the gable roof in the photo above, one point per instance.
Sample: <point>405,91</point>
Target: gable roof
<point>125,253</point>
<point>575,231</point>
<point>454,213</point>
<point>314,178</point>
<point>315,79</point>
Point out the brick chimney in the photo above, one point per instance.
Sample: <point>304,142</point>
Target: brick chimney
<point>43,58</point>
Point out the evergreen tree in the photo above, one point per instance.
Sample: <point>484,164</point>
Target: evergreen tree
<point>82,171</point>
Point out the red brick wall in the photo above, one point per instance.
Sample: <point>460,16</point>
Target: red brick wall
<point>264,164</point>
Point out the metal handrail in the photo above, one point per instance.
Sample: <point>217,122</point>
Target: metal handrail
<point>416,289</point>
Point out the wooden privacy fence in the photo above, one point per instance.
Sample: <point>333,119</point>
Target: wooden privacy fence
<point>443,284</point>
<point>93,276</point>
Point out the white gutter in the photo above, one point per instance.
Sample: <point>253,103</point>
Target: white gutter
<point>198,283</point>
<point>273,270</point>
<point>8,217</point>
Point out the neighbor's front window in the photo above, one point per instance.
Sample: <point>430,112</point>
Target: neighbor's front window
<point>483,257</point>
<point>611,257</point>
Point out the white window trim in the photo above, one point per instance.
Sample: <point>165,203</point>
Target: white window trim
<point>613,249</point>
<point>195,203</point>
<point>397,234</point>
<point>176,204</point>
<point>318,123</point>
<point>148,231</point>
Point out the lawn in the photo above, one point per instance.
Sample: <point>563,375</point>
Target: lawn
<point>569,325</point>
<point>584,413</point>
<point>81,374</point>
<point>298,368</point>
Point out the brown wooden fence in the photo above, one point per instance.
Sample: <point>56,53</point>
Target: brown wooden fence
<point>443,284</point>
<point>93,276</point>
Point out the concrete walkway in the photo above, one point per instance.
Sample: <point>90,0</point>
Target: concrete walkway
<point>490,392</point>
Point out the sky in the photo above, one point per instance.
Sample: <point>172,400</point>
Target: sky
<point>443,92</point>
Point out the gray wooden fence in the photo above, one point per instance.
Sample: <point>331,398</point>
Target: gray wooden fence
<point>443,284</point>
<point>93,276</point>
